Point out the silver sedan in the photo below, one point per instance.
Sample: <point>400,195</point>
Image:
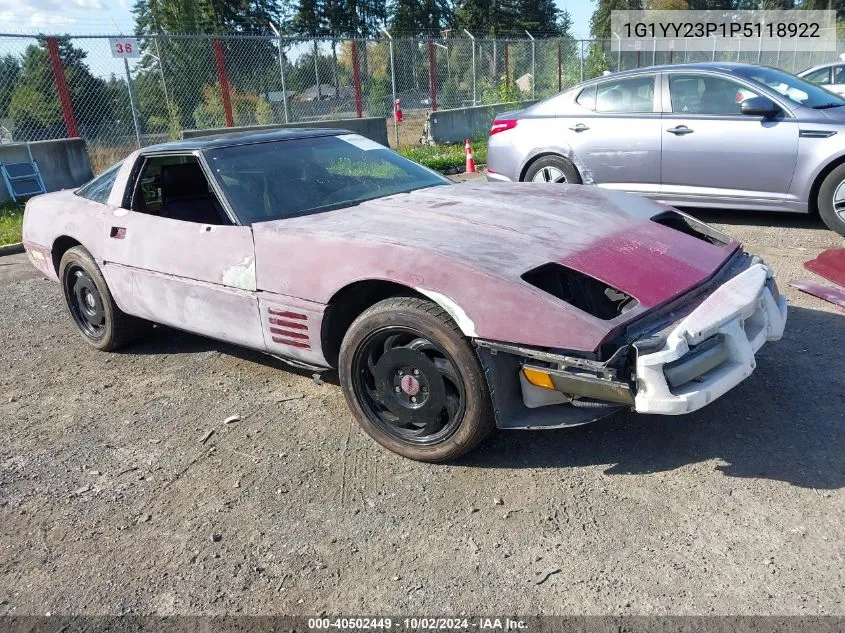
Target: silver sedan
<point>693,135</point>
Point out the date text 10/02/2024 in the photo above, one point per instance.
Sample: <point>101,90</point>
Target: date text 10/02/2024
<point>423,624</point>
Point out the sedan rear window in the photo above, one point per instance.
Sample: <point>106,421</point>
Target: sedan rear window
<point>626,95</point>
<point>281,179</point>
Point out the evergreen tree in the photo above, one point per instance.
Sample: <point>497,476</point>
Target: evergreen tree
<point>600,22</point>
<point>10,68</point>
<point>34,105</point>
<point>540,17</point>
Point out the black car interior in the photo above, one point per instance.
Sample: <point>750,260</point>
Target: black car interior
<point>176,188</point>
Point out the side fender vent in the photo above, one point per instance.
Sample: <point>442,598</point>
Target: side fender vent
<point>692,227</point>
<point>581,291</point>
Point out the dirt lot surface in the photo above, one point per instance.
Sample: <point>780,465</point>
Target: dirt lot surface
<point>111,503</point>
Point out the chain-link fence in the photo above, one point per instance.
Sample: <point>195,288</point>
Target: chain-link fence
<point>54,87</point>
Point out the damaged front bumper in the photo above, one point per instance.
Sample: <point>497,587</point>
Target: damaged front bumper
<point>689,364</point>
<point>711,350</point>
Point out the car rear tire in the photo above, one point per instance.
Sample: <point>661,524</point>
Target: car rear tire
<point>102,324</point>
<point>831,200</point>
<point>413,382</point>
<point>553,169</point>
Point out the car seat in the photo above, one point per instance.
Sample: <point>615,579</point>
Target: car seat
<point>185,195</point>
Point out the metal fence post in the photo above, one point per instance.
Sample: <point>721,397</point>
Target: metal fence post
<point>223,76</point>
<point>582,60</point>
<point>506,52</point>
<point>392,82</point>
<point>559,67</point>
<point>132,102</point>
<point>432,76</point>
<point>356,80</point>
<point>61,87</point>
<point>282,72</point>
<point>317,73</point>
<point>472,37</point>
<point>533,64</point>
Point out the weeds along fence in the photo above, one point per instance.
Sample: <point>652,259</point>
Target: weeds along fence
<point>119,99</point>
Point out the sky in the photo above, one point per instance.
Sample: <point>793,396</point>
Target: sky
<point>111,16</point>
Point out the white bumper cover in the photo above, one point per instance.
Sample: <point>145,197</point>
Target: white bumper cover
<point>746,314</point>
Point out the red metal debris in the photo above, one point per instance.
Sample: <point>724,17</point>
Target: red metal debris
<point>835,296</point>
<point>830,264</point>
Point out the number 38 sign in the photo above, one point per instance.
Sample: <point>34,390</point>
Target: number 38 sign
<point>126,47</point>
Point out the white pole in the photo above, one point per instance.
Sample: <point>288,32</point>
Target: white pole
<point>132,102</point>
<point>533,64</point>
<point>281,72</point>
<point>392,84</point>
<point>472,37</point>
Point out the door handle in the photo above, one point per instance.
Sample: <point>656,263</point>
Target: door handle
<point>680,130</point>
<point>579,128</point>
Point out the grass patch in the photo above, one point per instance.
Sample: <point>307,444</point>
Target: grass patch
<point>445,157</point>
<point>11,219</point>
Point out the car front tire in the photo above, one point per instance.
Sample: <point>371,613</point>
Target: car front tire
<point>102,324</point>
<point>831,200</point>
<point>413,382</point>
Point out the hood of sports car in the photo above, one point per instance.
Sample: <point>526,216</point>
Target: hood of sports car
<point>455,240</point>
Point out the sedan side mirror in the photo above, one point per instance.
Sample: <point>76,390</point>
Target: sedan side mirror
<point>759,106</point>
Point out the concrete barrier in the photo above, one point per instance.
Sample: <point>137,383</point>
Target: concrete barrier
<point>63,163</point>
<point>374,128</point>
<point>454,126</point>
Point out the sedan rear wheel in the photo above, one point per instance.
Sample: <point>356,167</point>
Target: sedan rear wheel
<point>553,169</point>
<point>413,382</point>
<point>831,200</point>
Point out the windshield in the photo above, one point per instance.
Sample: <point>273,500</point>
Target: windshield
<point>793,88</point>
<point>282,179</point>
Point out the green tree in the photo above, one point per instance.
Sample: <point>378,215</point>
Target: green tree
<point>419,17</point>
<point>10,68</point>
<point>600,22</point>
<point>34,105</point>
<point>541,17</point>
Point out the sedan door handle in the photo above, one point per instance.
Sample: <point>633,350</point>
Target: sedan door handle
<point>680,130</point>
<point>579,128</point>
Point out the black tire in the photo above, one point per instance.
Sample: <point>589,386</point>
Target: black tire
<point>553,169</point>
<point>93,310</point>
<point>833,187</point>
<point>390,341</point>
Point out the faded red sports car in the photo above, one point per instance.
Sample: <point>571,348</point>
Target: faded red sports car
<point>448,310</point>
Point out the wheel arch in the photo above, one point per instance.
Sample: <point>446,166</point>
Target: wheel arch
<point>813,198</point>
<point>348,303</point>
<point>533,159</point>
<point>62,245</point>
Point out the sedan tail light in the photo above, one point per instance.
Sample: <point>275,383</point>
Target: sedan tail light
<point>500,125</point>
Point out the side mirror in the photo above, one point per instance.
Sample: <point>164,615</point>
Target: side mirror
<point>759,106</point>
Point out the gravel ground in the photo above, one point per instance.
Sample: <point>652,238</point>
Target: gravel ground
<point>111,503</point>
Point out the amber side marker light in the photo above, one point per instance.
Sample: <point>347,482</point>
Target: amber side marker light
<point>538,378</point>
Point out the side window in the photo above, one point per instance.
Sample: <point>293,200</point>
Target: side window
<point>99,189</point>
<point>839,75</point>
<point>175,187</point>
<point>587,98</point>
<point>626,95</point>
<point>821,76</point>
<point>705,94</point>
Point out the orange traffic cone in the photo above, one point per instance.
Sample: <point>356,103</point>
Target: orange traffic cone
<point>470,168</point>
